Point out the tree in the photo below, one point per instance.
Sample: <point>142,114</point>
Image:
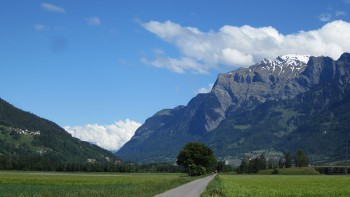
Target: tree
<point>288,160</point>
<point>197,159</point>
<point>243,167</point>
<point>301,159</point>
<point>253,165</point>
<point>280,163</point>
<point>221,166</point>
<point>262,162</point>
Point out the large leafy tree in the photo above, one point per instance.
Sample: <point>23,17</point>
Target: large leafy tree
<point>197,159</point>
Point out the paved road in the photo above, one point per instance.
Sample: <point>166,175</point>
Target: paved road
<point>192,189</point>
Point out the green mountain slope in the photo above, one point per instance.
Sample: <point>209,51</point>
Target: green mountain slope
<point>24,135</point>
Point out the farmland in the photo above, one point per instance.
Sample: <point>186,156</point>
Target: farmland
<point>279,185</point>
<point>87,184</point>
<point>150,184</point>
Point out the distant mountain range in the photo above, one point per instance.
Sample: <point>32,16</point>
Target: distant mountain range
<point>24,135</point>
<point>292,102</point>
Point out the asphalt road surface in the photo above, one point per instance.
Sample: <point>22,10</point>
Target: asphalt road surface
<point>191,189</point>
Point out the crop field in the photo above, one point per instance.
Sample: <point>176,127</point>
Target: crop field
<point>280,185</point>
<point>87,184</point>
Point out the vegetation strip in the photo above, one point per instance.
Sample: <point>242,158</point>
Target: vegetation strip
<point>214,188</point>
<point>79,184</point>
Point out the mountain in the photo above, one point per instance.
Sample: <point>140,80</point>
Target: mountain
<point>24,135</point>
<point>285,104</point>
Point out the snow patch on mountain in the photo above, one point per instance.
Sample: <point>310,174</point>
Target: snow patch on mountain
<point>291,64</point>
<point>293,58</point>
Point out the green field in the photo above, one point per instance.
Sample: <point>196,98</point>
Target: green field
<point>279,185</point>
<point>291,171</point>
<point>87,184</point>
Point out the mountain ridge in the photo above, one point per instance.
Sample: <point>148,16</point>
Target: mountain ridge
<point>237,93</point>
<point>26,135</point>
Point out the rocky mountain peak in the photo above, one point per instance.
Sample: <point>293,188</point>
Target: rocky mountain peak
<point>345,57</point>
<point>303,82</point>
<point>293,58</point>
<point>266,80</point>
<point>285,65</point>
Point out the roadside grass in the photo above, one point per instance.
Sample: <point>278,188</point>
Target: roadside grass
<point>284,185</point>
<point>88,184</point>
<point>214,188</point>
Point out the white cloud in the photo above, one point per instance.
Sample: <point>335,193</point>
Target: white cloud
<point>242,46</point>
<point>40,27</point>
<point>232,56</point>
<point>176,65</point>
<point>52,8</point>
<point>111,137</point>
<point>205,90</point>
<point>93,21</point>
<point>340,13</point>
<point>325,17</point>
<point>331,15</point>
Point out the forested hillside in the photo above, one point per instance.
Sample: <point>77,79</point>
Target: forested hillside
<point>26,139</point>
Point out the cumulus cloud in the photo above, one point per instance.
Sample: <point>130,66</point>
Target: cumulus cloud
<point>205,90</point>
<point>179,65</point>
<point>110,137</point>
<point>242,46</point>
<point>52,8</point>
<point>93,21</point>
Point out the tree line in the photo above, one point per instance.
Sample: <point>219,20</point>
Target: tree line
<point>39,163</point>
<point>195,159</point>
<point>253,165</point>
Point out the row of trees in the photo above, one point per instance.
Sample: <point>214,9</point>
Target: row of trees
<point>195,159</point>
<point>253,165</point>
<point>39,163</point>
<point>300,159</point>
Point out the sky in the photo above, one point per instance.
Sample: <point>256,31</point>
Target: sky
<point>101,68</point>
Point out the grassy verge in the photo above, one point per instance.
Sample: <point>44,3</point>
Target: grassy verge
<point>86,184</point>
<point>214,188</point>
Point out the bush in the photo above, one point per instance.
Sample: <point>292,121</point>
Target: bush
<point>275,171</point>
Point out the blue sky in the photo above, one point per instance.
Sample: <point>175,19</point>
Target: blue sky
<point>116,63</point>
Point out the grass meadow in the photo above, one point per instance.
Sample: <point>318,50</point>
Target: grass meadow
<point>291,171</point>
<point>279,185</point>
<point>150,184</point>
<point>87,184</point>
